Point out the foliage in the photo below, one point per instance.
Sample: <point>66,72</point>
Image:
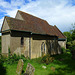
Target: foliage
<point>70,38</point>
<point>12,59</point>
<point>62,63</point>
<point>0,44</point>
<point>73,28</point>
<point>63,50</point>
<point>2,69</point>
<point>47,59</point>
<point>15,58</point>
<point>68,50</point>
<point>68,35</point>
<point>9,53</point>
<point>73,36</point>
<point>0,37</point>
<point>73,32</point>
<point>71,45</point>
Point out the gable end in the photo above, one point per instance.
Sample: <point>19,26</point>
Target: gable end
<point>18,16</point>
<point>5,26</point>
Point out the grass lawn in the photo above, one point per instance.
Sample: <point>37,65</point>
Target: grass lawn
<point>63,65</point>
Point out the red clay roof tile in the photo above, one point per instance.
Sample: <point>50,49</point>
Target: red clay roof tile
<point>33,24</point>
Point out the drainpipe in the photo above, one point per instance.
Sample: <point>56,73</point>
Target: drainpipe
<point>30,46</point>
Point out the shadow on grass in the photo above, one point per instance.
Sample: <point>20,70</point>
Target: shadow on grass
<point>2,69</point>
<point>22,72</point>
<point>67,64</point>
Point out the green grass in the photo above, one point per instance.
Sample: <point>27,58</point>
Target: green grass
<point>10,69</point>
<point>63,64</point>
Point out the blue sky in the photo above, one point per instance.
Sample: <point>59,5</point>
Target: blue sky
<point>56,12</point>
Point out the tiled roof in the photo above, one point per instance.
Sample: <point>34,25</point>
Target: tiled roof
<point>58,32</point>
<point>21,25</point>
<point>33,24</point>
<point>37,23</point>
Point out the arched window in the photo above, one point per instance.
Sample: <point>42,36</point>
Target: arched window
<point>43,48</point>
<point>22,41</point>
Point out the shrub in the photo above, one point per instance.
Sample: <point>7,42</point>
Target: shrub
<point>0,44</point>
<point>44,58</point>
<point>63,50</point>
<point>9,53</point>
<point>68,50</point>
<point>24,58</point>
<point>2,69</point>
<point>15,58</point>
<point>47,59</point>
<point>71,45</point>
<point>12,59</point>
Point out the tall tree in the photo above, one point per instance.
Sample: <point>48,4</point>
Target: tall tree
<point>0,44</point>
<point>73,31</point>
<point>68,35</point>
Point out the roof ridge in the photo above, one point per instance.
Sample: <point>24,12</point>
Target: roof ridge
<point>31,15</point>
<point>52,28</point>
<point>10,21</point>
<point>13,18</point>
<point>33,24</point>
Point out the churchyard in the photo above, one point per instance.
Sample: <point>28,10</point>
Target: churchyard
<point>60,65</point>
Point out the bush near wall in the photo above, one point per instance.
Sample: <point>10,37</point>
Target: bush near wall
<point>12,59</point>
<point>47,59</point>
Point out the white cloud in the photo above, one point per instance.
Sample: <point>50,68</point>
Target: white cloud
<point>12,12</point>
<point>1,21</point>
<point>4,4</point>
<point>56,12</point>
<point>17,2</point>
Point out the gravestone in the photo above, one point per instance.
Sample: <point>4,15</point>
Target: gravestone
<point>29,70</point>
<point>20,67</point>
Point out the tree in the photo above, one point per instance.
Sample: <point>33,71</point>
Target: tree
<point>0,44</point>
<point>73,28</point>
<point>68,35</point>
<point>73,32</point>
<point>73,36</point>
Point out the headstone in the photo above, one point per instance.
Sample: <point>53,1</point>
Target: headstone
<point>29,70</point>
<point>20,67</point>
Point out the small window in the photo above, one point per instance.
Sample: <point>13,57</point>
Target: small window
<point>22,41</point>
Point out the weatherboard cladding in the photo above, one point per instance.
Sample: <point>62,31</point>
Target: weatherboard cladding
<point>33,24</point>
